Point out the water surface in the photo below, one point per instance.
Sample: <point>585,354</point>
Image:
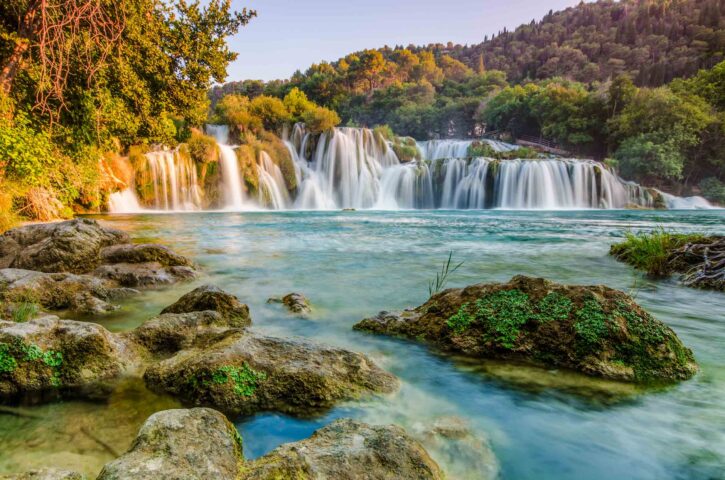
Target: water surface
<point>541,425</point>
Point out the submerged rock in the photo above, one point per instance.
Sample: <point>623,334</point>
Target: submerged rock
<point>49,358</point>
<point>199,443</point>
<point>44,474</point>
<point>348,450</point>
<point>591,329</point>
<point>210,297</point>
<point>246,373</point>
<point>294,302</point>
<point>72,246</point>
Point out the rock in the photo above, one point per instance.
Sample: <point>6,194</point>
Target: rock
<point>295,303</point>
<point>170,332</point>
<point>44,474</point>
<point>72,246</point>
<point>209,297</point>
<point>48,358</point>
<point>144,274</point>
<point>144,253</point>
<point>246,373</point>
<point>58,291</point>
<point>199,443</point>
<point>591,329</point>
<point>348,450</point>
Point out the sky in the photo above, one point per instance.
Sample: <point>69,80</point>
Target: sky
<point>288,35</point>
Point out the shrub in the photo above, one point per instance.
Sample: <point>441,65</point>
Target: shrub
<point>271,111</point>
<point>320,119</point>
<point>713,189</point>
<point>202,148</point>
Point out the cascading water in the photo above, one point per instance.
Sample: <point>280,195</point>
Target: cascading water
<point>231,180</point>
<point>174,181</point>
<point>355,168</point>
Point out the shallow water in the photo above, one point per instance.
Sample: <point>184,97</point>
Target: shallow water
<point>541,425</point>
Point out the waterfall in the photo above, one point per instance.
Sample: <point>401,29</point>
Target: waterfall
<point>124,201</point>
<point>355,168</point>
<point>231,180</point>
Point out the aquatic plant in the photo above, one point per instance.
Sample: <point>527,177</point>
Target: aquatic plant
<point>553,306</point>
<point>591,325</point>
<point>436,285</point>
<point>504,313</point>
<point>651,251</point>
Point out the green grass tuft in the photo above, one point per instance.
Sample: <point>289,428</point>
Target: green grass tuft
<point>651,251</point>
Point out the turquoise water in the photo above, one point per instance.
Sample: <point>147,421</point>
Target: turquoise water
<point>540,424</point>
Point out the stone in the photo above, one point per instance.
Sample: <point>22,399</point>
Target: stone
<point>245,373</point>
<point>44,474</point>
<point>594,330</point>
<point>348,450</point>
<point>135,275</point>
<point>48,358</point>
<point>294,302</point>
<point>210,297</point>
<point>180,444</point>
<point>72,246</point>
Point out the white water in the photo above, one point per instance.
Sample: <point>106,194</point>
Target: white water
<point>353,168</point>
<point>124,201</point>
<point>174,181</point>
<point>231,180</point>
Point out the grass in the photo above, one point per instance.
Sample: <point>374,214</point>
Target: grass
<point>25,311</point>
<point>436,285</point>
<point>651,251</point>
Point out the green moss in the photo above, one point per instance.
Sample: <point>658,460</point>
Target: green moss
<point>244,379</point>
<point>554,306</point>
<point>12,355</point>
<point>591,325</point>
<point>7,361</point>
<point>504,313</point>
<point>461,320</point>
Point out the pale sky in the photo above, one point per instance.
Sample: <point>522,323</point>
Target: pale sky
<point>293,34</point>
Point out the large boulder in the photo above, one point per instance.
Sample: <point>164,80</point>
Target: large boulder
<point>348,450</point>
<point>141,265</point>
<point>245,373</point>
<point>72,246</point>
<point>199,443</point>
<point>294,302</point>
<point>49,358</point>
<point>59,291</point>
<point>591,329</point>
<point>210,297</point>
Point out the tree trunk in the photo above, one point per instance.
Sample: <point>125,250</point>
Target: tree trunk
<point>11,67</point>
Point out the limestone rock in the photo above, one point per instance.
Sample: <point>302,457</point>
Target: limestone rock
<point>44,474</point>
<point>199,443</point>
<point>294,302</point>
<point>210,297</point>
<point>595,330</point>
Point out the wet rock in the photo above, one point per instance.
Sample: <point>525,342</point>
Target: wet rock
<point>59,291</point>
<point>144,253</point>
<point>246,373</point>
<point>210,297</point>
<point>348,450</point>
<point>170,332</point>
<point>72,246</point>
<point>294,302</point>
<point>49,358</point>
<point>199,443</point>
<point>591,329</point>
<point>147,274</point>
<point>44,474</point>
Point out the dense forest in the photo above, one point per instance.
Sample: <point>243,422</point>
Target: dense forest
<point>636,82</point>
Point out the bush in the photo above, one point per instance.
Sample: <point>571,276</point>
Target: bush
<point>650,155</point>
<point>271,111</point>
<point>320,119</point>
<point>713,189</point>
<point>25,154</point>
<point>202,148</point>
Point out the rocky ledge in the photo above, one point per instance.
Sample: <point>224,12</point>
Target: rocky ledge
<point>591,329</point>
<point>168,445</point>
<point>81,266</point>
<point>199,350</point>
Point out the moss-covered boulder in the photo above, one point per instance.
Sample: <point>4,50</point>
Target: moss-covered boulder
<point>244,373</point>
<point>49,358</point>
<point>199,443</point>
<point>143,265</point>
<point>595,330</point>
<point>348,450</point>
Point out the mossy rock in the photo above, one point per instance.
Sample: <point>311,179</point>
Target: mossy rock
<point>595,330</point>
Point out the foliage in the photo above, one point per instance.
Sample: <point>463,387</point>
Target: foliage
<point>271,112</point>
<point>437,284</point>
<point>650,155</point>
<point>320,119</point>
<point>713,189</point>
<point>13,354</point>
<point>553,307</point>
<point>244,379</point>
<point>461,320</point>
<point>202,148</point>
<point>651,251</point>
<point>25,311</point>
<point>591,324</point>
